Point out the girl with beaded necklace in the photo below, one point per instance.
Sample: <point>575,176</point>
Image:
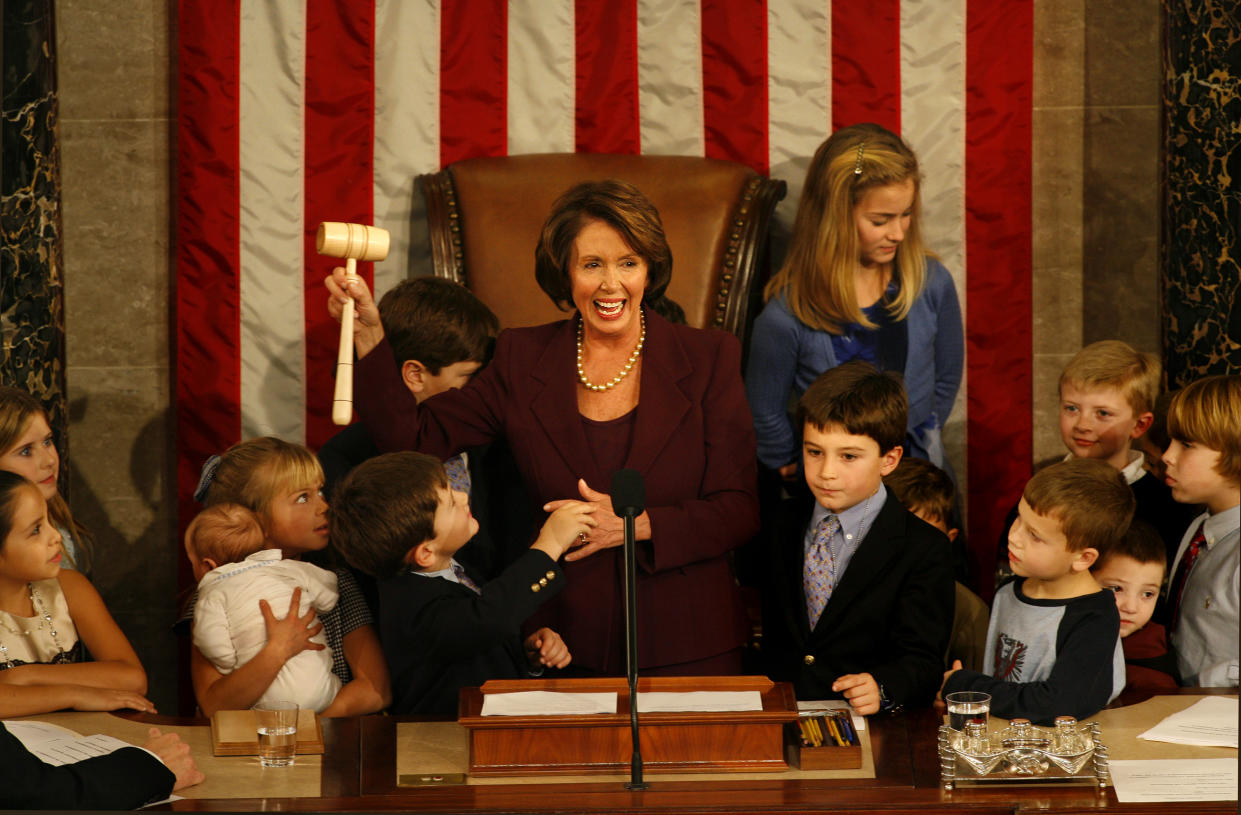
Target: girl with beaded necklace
<point>27,448</point>
<point>282,484</point>
<point>47,615</point>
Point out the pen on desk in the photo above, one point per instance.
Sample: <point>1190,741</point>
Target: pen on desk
<point>817,732</point>
<point>805,732</point>
<point>837,732</point>
<point>847,726</point>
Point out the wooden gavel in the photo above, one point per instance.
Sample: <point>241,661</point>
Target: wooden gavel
<point>353,242</point>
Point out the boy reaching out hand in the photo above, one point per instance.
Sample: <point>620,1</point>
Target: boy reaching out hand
<point>395,518</point>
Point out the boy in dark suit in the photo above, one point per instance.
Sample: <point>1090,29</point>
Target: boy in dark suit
<point>859,598</point>
<point>396,518</point>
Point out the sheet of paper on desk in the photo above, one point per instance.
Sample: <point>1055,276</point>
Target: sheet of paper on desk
<point>68,750</point>
<point>1210,722</point>
<point>1179,779</point>
<point>699,701</point>
<point>31,733</point>
<point>547,703</point>
<point>811,705</point>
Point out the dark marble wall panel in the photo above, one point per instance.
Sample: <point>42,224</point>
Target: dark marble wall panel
<point>1202,189</point>
<point>32,325</point>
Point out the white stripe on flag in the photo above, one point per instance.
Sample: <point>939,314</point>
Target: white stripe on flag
<point>270,132</point>
<point>542,57</point>
<point>799,83</point>
<point>670,77</point>
<point>933,122</point>
<point>407,126</point>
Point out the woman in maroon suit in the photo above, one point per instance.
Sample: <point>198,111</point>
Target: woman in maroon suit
<point>613,386</point>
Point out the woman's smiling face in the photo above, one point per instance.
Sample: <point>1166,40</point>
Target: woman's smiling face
<point>608,280</point>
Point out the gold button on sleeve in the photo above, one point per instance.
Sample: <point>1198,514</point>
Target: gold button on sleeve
<point>808,659</point>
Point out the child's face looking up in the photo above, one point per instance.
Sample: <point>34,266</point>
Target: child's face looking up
<point>31,551</point>
<point>1136,586</point>
<point>34,457</point>
<point>454,526</point>
<point>842,469</point>
<point>297,520</point>
<point>1099,423</point>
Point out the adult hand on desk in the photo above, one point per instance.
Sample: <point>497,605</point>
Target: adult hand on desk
<point>176,756</point>
<point>88,698</point>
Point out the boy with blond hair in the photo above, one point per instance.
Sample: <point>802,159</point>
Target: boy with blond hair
<point>397,519</point>
<point>1107,396</point>
<point>858,601</point>
<point>1053,645</point>
<point>1204,467</point>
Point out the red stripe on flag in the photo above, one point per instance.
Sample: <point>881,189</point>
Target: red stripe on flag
<point>208,325</point>
<point>607,77</point>
<point>999,76</point>
<point>734,81</point>
<point>866,63</point>
<point>340,135</point>
<point>473,79</point>
<point>208,367</point>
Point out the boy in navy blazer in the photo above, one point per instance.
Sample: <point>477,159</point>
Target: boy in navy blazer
<point>859,596</point>
<point>396,518</point>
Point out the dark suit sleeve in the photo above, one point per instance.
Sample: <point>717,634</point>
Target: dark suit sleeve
<point>723,512</point>
<point>125,779</point>
<point>913,669</point>
<point>456,625</point>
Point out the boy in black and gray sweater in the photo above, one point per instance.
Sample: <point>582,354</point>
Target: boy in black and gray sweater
<point>1053,646</point>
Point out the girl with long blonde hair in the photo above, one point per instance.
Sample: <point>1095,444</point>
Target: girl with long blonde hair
<point>858,283</point>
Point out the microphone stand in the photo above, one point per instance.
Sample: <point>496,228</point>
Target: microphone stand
<point>631,656</point>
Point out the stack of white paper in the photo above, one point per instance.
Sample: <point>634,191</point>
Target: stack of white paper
<point>1211,722</point>
<point>699,701</point>
<point>547,703</point>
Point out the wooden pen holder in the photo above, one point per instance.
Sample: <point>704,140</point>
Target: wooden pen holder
<point>827,757</point>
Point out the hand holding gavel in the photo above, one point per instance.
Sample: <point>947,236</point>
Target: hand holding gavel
<point>353,242</point>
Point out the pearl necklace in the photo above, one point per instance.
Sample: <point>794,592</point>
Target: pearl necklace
<point>45,621</point>
<point>633,358</point>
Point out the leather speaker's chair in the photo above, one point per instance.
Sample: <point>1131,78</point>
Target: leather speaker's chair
<point>484,217</point>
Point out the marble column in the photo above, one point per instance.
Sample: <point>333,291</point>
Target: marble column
<point>32,324</point>
<point>1202,189</point>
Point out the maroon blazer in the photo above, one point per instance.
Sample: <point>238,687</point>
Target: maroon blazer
<point>693,443</point>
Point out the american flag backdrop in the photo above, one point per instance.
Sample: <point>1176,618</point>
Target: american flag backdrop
<point>292,112</point>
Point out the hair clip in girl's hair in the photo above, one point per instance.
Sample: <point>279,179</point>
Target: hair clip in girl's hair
<point>857,168</point>
<point>205,477</point>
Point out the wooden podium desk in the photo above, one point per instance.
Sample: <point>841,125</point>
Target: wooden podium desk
<point>359,774</point>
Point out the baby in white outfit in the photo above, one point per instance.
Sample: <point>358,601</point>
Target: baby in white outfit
<point>225,546</point>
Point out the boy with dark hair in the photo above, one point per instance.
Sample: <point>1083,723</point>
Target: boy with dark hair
<point>1133,569</point>
<point>1053,646</point>
<point>397,519</point>
<point>441,335</point>
<point>1204,467</point>
<point>928,492</point>
<point>859,598</point>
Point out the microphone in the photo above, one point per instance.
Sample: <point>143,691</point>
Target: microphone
<point>628,502</point>
<point>628,493</point>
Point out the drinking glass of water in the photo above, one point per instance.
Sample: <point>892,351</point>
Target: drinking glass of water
<point>967,706</point>
<point>277,722</point>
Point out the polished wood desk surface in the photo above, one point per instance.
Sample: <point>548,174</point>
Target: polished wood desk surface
<point>359,774</point>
